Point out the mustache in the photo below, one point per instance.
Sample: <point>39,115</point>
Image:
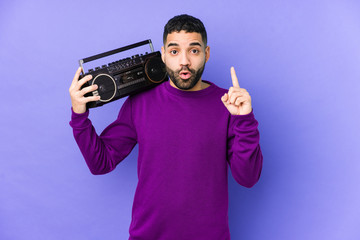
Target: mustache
<point>186,68</point>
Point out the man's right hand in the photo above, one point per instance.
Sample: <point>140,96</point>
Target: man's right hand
<point>78,100</point>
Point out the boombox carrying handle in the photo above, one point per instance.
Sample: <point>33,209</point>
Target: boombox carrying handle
<point>105,54</point>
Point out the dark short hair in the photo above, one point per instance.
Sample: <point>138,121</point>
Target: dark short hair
<point>187,23</point>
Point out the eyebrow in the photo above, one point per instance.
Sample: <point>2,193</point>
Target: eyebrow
<point>191,44</point>
<point>172,44</point>
<point>195,44</point>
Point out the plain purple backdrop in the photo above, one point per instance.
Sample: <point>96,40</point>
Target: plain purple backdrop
<point>300,61</point>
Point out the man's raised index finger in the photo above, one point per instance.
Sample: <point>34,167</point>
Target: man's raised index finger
<point>234,78</point>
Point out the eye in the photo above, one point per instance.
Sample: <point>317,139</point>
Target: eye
<point>195,51</point>
<point>173,52</point>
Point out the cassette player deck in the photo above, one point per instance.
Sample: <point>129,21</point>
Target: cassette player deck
<point>126,76</point>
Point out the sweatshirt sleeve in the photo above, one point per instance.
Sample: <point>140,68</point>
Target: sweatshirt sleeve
<point>244,153</point>
<point>102,153</point>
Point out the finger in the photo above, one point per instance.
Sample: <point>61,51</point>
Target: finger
<point>234,78</point>
<point>224,98</point>
<point>234,96</point>
<point>233,90</point>
<point>82,81</point>
<point>76,77</point>
<point>86,90</point>
<point>91,99</point>
<point>240,100</point>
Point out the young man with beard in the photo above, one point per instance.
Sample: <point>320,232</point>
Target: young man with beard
<point>188,130</point>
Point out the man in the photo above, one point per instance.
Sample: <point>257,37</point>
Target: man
<point>188,131</point>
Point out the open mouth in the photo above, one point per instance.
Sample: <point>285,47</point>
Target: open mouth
<point>185,74</point>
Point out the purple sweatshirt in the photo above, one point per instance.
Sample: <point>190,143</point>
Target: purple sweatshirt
<point>186,142</point>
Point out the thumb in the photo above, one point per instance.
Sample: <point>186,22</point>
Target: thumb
<point>225,97</point>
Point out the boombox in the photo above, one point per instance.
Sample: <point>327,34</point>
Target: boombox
<point>126,76</point>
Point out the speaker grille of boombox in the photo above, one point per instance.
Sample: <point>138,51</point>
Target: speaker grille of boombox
<point>125,77</point>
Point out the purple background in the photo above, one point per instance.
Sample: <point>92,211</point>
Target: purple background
<point>300,61</point>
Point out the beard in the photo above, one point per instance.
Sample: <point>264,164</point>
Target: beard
<point>185,84</point>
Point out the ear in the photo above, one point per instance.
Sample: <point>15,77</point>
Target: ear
<point>207,53</point>
<point>163,54</point>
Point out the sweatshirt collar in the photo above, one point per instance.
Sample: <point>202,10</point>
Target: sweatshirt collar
<point>182,93</point>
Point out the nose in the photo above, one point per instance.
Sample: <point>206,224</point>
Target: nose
<point>184,59</point>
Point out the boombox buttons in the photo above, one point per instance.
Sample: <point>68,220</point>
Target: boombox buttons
<point>126,76</point>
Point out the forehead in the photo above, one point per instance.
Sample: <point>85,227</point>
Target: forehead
<point>183,38</point>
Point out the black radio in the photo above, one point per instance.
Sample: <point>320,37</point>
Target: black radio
<point>125,76</point>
